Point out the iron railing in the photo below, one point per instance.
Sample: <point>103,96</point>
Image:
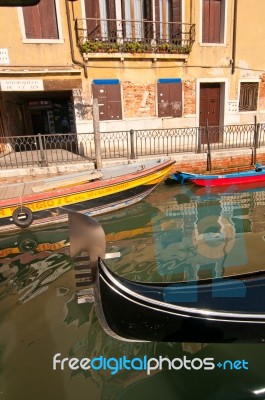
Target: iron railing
<point>111,35</point>
<point>43,150</point>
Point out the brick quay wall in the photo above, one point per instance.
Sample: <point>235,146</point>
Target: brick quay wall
<point>222,160</point>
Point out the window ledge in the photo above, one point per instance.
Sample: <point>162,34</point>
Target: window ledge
<point>43,41</point>
<point>136,56</point>
<point>213,44</point>
<point>247,112</point>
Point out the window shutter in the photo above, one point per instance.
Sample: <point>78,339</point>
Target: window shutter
<point>109,101</point>
<point>92,11</point>
<point>176,17</point>
<point>40,21</point>
<point>48,19</point>
<point>169,99</point>
<point>215,20</point>
<point>176,11</point>
<point>211,21</point>
<point>112,28</point>
<point>114,102</point>
<point>205,21</point>
<point>157,18</point>
<point>175,96</point>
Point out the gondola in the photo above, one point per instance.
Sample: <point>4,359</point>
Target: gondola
<point>228,309</point>
<point>255,175</point>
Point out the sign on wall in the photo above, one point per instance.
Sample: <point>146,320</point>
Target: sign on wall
<point>4,57</point>
<point>19,85</point>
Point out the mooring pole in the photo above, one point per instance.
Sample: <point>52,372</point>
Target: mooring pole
<point>209,158</point>
<point>96,128</point>
<point>255,141</point>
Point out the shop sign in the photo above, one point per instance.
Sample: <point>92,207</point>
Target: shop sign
<point>20,85</point>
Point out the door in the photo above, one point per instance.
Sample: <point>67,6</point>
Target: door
<point>210,110</point>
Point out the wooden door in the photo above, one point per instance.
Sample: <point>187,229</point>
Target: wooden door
<point>210,110</point>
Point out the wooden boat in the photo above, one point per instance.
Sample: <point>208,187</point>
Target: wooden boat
<point>236,178</point>
<point>48,201</point>
<point>219,310</point>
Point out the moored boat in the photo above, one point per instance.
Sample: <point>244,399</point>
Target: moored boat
<point>48,201</point>
<point>256,175</point>
<point>217,310</point>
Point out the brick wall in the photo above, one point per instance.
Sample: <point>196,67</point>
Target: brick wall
<point>221,161</point>
<point>139,100</point>
<point>189,88</point>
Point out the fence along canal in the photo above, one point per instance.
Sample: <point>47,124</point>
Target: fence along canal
<point>52,149</point>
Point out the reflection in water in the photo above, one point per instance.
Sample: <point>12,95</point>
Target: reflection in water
<point>178,233</point>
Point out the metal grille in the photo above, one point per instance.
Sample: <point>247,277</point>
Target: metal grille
<point>248,96</point>
<point>165,141</point>
<point>43,150</point>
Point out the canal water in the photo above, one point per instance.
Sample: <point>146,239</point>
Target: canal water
<point>178,233</point>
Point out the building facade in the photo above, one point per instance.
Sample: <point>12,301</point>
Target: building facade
<point>150,63</point>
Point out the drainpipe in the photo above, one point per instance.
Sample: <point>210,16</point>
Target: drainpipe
<point>233,64</point>
<point>75,61</point>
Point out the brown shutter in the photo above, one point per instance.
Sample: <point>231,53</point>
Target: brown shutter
<point>40,21</point>
<point>176,29</point>
<point>215,18</point>
<point>163,99</point>
<point>176,11</point>
<point>48,19</point>
<point>100,93</point>
<point>175,97</point>
<point>211,21</point>
<point>31,22</point>
<point>114,102</point>
<point>112,29</point>
<point>109,101</point>
<point>148,16</point>
<point>205,21</point>
<point>169,99</point>
<point>157,18</point>
<point>92,11</point>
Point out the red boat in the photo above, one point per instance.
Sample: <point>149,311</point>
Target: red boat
<point>235,178</point>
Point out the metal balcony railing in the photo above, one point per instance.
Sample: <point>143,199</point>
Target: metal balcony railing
<point>110,36</point>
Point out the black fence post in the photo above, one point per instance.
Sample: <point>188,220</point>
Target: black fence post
<point>132,154</point>
<point>256,139</point>
<point>199,141</point>
<point>43,161</point>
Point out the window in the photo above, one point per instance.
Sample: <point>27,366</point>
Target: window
<point>168,12</point>
<point>41,21</point>
<point>213,21</point>
<point>101,16</point>
<point>138,11</point>
<point>169,92</point>
<point>248,98</point>
<point>108,93</point>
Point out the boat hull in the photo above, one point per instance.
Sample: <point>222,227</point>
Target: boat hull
<point>92,198</point>
<point>233,179</point>
<point>133,311</point>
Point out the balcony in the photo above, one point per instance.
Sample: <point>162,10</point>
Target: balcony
<point>122,38</point>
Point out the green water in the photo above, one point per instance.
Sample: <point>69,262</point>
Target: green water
<point>177,233</point>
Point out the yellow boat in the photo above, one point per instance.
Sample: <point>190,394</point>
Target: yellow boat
<point>48,201</point>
